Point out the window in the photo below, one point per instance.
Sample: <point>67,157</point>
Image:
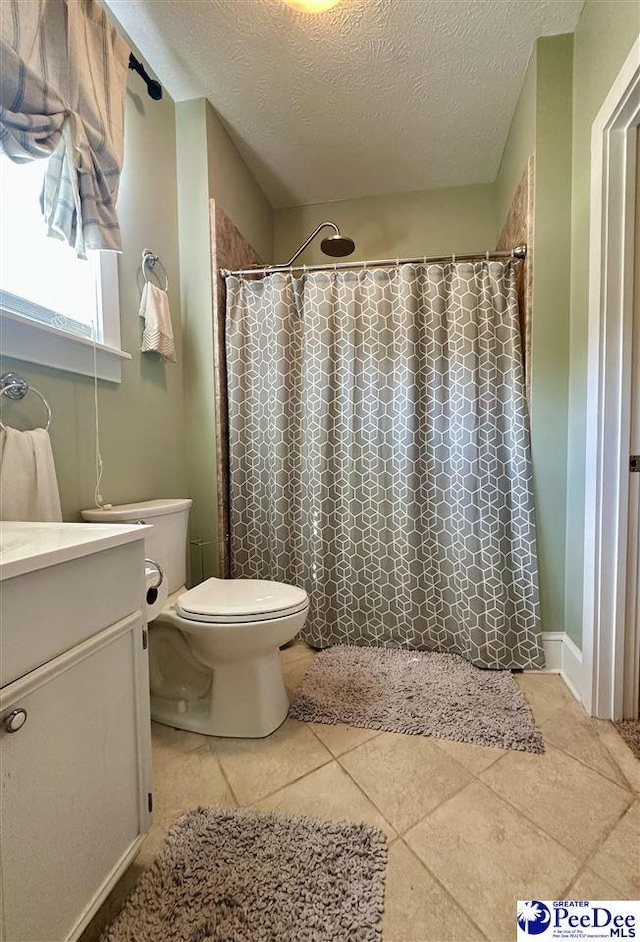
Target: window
<point>53,305</point>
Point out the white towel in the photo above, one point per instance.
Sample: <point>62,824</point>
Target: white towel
<point>158,333</point>
<point>28,485</point>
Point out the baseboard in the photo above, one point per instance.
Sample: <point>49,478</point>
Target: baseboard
<point>552,642</point>
<point>563,657</point>
<point>572,666</point>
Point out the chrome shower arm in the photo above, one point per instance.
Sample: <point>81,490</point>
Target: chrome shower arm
<point>308,242</point>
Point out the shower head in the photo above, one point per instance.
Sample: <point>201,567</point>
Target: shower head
<point>336,245</point>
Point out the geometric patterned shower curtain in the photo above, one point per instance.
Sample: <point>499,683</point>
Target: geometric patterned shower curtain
<point>379,455</point>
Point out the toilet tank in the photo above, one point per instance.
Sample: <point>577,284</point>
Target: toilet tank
<point>167,542</point>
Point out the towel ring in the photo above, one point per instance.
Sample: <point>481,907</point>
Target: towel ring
<point>14,386</point>
<point>149,260</point>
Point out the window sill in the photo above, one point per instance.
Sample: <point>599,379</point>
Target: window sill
<point>47,346</point>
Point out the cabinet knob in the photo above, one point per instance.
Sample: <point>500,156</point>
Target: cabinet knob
<point>15,721</point>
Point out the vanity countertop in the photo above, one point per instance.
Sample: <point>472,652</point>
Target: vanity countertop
<point>26,547</point>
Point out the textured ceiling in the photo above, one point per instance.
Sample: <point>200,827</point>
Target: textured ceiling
<point>373,97</point>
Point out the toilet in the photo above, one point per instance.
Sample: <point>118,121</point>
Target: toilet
<point>214,662</point>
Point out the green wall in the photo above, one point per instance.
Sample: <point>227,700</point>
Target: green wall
<point>195,269</point>
<point>429,222</point>
<point>209,167</point>
<point>549,368</point>
<point>566,82</point>
<point>235,189</point>
<point>541,127</point>
<point>141,426</point>
<point>603,38</point>
<point>520,143</point>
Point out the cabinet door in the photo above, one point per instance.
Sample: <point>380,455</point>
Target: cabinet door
<point>74,781</point>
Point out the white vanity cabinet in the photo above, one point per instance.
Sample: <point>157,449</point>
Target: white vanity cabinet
<point>74,722</point>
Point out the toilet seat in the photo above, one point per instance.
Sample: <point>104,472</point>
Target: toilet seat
<point>240,600</point>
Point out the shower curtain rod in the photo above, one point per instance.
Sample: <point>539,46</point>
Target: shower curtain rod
<point>519,252</point>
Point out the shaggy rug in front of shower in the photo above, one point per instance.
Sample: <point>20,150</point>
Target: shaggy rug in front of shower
<point>422,693</point>
<point>248,876</point>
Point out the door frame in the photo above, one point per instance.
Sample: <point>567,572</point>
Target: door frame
<point>609,372</point>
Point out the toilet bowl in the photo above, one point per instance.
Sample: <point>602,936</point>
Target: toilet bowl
<point>214,662</point>
<point>231,673</point>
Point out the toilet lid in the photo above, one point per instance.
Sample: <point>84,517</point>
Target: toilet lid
<point>229,600</point>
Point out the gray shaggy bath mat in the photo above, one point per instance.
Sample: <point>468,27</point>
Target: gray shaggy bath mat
<point>245,876</point>
<point>422,693</point>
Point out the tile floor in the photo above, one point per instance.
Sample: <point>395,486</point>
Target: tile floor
<point>471,828</point>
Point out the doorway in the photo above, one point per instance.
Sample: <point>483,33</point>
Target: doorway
<point>611,632</point>
<point>631,679</point>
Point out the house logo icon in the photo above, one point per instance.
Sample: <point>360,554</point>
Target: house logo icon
<point>533,917</point>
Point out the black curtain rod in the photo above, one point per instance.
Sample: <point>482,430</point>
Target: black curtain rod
<point>154,88</point>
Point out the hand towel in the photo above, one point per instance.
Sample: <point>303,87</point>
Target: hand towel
<point>158,332</point>
<point>28,485</point>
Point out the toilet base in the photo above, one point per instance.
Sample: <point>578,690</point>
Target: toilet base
<point>247,700</point>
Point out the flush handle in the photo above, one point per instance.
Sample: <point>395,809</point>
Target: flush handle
<point>15,721</point>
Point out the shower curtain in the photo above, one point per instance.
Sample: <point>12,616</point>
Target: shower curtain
<point>379,456</point>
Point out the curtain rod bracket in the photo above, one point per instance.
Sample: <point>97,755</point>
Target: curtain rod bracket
<point>153,88</point>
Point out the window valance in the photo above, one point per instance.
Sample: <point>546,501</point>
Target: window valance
<point>64,76</point>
